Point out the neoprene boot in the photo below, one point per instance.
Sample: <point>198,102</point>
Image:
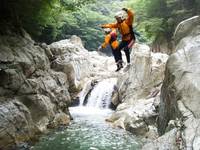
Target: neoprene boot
<point>119,66</point>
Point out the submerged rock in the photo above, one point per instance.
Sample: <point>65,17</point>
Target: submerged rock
<point>60,119</point>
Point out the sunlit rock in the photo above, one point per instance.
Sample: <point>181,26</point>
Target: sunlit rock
<point>139,91</point>
<point>146,72</point>
<point>135,118</point>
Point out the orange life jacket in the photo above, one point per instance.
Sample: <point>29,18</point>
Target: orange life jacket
<point>111,39</point>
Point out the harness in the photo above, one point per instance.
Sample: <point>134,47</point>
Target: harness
<point>132,32</point>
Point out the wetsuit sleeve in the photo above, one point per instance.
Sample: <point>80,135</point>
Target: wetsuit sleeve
<point>106,41</point>
<point>111,25</point>
<point>130,18</point>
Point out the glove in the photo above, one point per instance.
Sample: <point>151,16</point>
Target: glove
<point>125,9</point>
<point>99,48</point>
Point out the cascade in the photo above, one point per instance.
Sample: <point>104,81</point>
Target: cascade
<point>100,96</point>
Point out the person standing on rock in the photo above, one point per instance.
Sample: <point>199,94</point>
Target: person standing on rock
<point>124,25</point>
<point>111,38</point>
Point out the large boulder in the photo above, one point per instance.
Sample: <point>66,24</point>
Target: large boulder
<point>82,65</point>
<point>146,72</point>
<point>181,83</point>
<point>135,118</point>
<point>15,123</point>
<point>138,91</point>
<point>31,93</point>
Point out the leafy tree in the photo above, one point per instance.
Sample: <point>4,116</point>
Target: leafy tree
<point>39,17</point>
<point>51,20</point>
<point>157,19</point>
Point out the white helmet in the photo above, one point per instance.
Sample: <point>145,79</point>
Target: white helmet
<point>107,30</point>
<point>120,14</point>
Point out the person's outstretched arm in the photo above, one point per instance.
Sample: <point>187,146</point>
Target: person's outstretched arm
<point>131,16</point>
<point>111,25</point>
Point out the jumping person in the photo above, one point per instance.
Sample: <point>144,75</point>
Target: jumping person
<point>111,38</point>
<point>124,25</point>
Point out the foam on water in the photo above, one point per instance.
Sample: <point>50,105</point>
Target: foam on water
<point>100,97</point>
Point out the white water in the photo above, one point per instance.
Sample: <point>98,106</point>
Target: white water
<point>101,95</point>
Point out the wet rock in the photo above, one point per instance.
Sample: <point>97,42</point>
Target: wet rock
<point>136,118</point>
<point>116,97</point>
<point>60,119</point>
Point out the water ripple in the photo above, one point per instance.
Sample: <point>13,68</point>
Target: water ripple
<point>89,132</point>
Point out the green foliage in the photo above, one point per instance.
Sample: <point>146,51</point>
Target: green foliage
<point>43,19</point>
<point>51,20</point>
<point>85,22</point>
<point>151,28</point>
<point>158,18</point>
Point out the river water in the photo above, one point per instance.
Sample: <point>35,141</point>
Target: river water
<point>89,130</point>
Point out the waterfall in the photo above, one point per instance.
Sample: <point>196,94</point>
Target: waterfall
<point>100,94</point>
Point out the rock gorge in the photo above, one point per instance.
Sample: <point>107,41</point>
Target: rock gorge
<point>156,98</point>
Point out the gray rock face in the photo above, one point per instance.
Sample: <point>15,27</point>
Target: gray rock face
<point>146,71</point>
<point>16,123</point>
<point>180,91</point>
<point>185,28</point>
<point>34,91</point>
<point>79,63</point>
